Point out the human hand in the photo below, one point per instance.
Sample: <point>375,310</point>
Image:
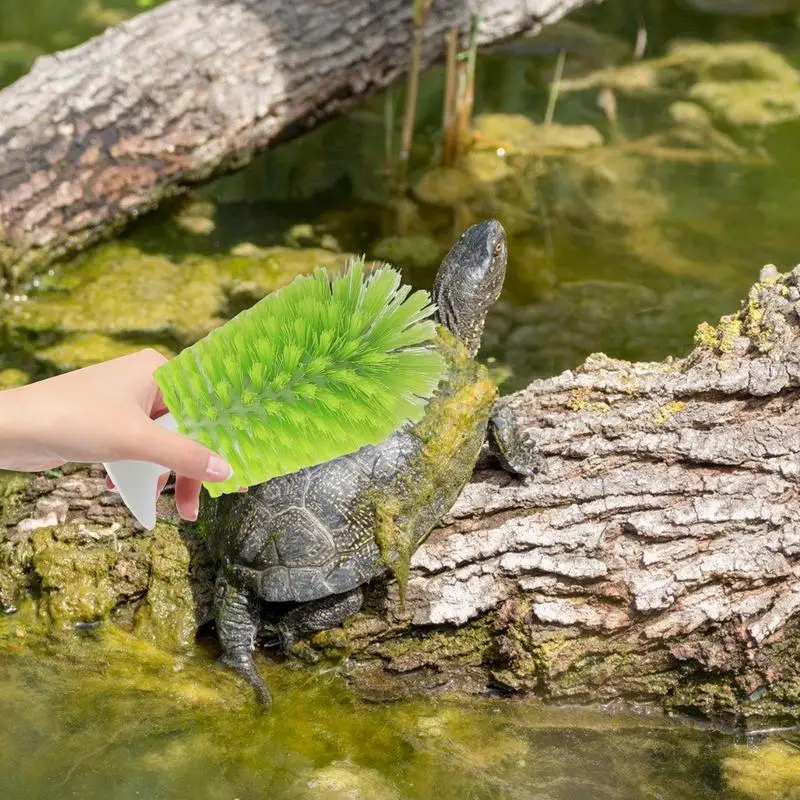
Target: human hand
<point>104,413</point>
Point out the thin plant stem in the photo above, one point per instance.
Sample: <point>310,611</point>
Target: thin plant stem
<point>421,8</point>
<point>449,130</point>
<point>466,89</point>
<point>388,133</point>
<point>554,88</point>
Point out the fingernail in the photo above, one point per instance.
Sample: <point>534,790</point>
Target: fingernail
<point>218,469</point>
<point>193,512</point>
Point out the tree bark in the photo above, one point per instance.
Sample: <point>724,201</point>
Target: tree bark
<point>653,557</point>
<point>99,134</point>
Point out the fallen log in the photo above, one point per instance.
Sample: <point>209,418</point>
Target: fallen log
<point>653,557</point>
<point>95,136</point>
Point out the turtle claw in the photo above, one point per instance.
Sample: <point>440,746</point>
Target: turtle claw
<point>247,670</point>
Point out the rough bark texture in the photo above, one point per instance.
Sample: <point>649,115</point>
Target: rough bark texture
<point>654,556</point>
<point>96,135</point>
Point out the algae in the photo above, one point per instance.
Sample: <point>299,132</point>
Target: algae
<point>166,615</point>
<point>767,772</point>
<point>419,252</point>
<point>75,585</point>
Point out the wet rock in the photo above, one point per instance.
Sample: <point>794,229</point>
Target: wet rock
<point>53,505</point>
<point>31,524</point>
<point>81,487</point>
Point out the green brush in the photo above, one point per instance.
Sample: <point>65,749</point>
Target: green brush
<point>313,371</point>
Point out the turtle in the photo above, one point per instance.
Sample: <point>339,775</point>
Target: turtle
<point>312,539</point>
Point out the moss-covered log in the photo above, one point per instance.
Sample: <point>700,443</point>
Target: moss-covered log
<point>654,556</point>
<point>95,136</point>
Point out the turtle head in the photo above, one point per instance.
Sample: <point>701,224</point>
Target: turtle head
<point>469,280</point>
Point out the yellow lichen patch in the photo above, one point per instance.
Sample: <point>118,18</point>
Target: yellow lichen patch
<point>722,338</point>
<point>582,400</point>
<point>668,411</point>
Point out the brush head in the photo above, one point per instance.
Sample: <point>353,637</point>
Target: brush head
<point>312,372</point>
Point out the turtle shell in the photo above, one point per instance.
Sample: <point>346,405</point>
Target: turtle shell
<point>330,528</point>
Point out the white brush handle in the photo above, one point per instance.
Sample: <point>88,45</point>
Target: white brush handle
<point>137,481</point>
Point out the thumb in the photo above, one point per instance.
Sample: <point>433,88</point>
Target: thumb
<point>179,453</point>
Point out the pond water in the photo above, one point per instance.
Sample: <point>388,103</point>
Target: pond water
<point>647,207</point>
<point>97,714</point>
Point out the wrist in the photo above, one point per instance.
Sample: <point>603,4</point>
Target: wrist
<point>19,443</point>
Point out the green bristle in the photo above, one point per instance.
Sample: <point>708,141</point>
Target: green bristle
<point>311,372</point>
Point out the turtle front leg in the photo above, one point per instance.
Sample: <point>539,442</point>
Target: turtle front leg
<point>237,621</point>
<point>516,451</point>
<point>318,615</point>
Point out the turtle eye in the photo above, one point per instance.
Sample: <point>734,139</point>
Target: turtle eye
<point>497,249</point>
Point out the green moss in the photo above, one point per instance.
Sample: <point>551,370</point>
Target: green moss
<point>395,545</point>
<point>445,186</point>
<point>116,295</point>
<point>12,496</point>
<point>731,62</point>
<point>116,289</point>
<point>518,134</point>
<point>83,349</point>
<point>11,377</point>
<point>488,166</point>
<point>166,616</point>
<point>452,432</point>
<point>468,644</point>
<point>706,697</point>
<point>75,584</point>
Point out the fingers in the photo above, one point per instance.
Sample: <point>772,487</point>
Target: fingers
<point>187,497</point>
<point>162,482</point>
<point>151,442</point>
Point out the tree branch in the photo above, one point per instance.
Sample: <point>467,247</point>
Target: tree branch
<point>99,134</point>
